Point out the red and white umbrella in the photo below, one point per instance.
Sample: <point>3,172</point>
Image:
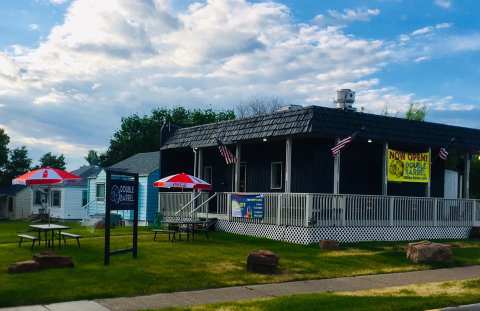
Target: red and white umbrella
<point>44,176</point>
<point>183,181</point>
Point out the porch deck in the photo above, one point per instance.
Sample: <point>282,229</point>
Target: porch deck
<point>308,217</point>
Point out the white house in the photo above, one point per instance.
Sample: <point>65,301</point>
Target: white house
<point>146,166</point>
<point>15,202</point>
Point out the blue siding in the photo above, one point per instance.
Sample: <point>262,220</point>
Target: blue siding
<point>152,196</point>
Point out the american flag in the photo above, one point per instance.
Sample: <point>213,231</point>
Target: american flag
<point>226,153</point>
<point>341,144</point>
<point>443,154</point>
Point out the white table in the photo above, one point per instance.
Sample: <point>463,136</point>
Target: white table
<point>46,228</point>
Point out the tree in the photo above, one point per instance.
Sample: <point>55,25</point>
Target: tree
<point>416,112</point>
<point>142,134</point>
<point>93,158</point>
<point>258,106</point>
<point>18,164</point>
<point>4,140</point>
<point>51,160</point>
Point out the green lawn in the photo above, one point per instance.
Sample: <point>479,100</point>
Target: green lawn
<point>165,267</point>
<point>416,297</point>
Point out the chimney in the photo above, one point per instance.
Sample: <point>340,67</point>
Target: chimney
<point>345,99</point>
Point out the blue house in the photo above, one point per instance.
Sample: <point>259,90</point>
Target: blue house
<point>143,164</point>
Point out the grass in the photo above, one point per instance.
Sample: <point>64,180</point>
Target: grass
<point>415,297</point>
<point>166,267</point>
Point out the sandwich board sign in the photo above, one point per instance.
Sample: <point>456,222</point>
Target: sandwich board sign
<point>121,194</point>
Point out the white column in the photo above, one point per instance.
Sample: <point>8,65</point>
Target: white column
<point>336,173</point>
<point>385,169</point>
<point>238,156</point>
<point>466,177</point>
<point>288,165</point>
<point>200,163</point>
<point>428,192</point>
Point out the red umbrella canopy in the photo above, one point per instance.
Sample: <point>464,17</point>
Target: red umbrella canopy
<point>44,176</point>
<point>184,181</point>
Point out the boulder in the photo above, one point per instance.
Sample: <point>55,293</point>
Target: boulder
<point>475,233</point>
<point>48,260</point>
<point>329,244</point>
<point>24,266</point>
<point>262,261</point>
<point>429,252</point>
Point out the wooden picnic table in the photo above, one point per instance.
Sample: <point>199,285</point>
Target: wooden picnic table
<point>189,223</point>
<point>46,229</point>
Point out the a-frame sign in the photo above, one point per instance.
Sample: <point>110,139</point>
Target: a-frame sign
<point>121,194</point>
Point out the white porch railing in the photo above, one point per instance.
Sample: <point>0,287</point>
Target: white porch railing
<point>182,205</point>
<point>329,210</point>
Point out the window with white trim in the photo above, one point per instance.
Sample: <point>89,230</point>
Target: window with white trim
<point>100,192</point>
<point>38,197</point>
<point>208,174</point>
<point>276,175</point>
<point>56,198</point>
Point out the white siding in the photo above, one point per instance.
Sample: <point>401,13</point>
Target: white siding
<point>23,204</point>
<point>72,203</point>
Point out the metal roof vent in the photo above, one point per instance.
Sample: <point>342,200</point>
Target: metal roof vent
<point>289,107</point>
<point>345,99</point>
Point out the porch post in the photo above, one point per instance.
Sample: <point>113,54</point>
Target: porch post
<point>195,163</point>
<point>336,174</point>
<point>200,163</point>
<point>385,169</point>
<point>466,177</point>
<point>288,165</point>
<point>429,184</point>
<point>238,154</point>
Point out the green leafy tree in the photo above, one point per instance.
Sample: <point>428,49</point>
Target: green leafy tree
<point>416,112</point>
<point>51,160</point>
<point>142,134</point>
<point>93,158</point>
<point>4,140</point>
<point>18,164</point>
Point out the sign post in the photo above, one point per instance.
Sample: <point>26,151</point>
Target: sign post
<point>121,194</point>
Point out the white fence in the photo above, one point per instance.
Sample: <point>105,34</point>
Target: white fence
<point>329,210</point>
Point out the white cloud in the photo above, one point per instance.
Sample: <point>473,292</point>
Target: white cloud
<point>132,56</point>
<point>33,27</point>
<point>58,2</point>
<point>346,16</point>
<point>445,4</point>
<point>421,59</point>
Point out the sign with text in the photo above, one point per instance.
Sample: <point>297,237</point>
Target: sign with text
<point>247,206</point>
<point>408,166</point>
<point>122,194</point>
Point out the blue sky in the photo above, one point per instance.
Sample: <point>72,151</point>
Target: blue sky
<point>71,69</point>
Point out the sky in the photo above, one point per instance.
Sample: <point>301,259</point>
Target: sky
<point>71,69</point>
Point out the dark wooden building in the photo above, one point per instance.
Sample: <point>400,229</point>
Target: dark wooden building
<point>289,151</point>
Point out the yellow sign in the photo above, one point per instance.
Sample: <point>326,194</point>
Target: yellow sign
<point>408,167</point>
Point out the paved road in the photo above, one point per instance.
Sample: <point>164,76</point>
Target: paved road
<point>179,299</point>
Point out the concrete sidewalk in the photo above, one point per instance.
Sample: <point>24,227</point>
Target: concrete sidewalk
<point>180,299</point>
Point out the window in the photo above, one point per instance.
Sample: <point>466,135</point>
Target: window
<point>207,174</point>
<point>84,197</point>
<point>38,197</point>
<point>276,175</point>
<point>56,198</point>
<point>10,205</point>
<point>100,192</point>
<point>243,177</point>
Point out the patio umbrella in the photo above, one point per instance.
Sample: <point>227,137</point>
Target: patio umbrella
<point>45,176</point>
<point>182,181</point>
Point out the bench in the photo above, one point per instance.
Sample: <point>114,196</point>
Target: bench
<point>66,235</point>
<point>27,237</point>
<point>171,234</point>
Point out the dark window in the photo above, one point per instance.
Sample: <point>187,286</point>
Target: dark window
<point>276,175</point>
<point>10,205</point>
<point>38,197</point>
<point>207,174</point>
<point>243,177</point>
<point>100,192</point>
<point>84,197</point>
<point>56,198</point>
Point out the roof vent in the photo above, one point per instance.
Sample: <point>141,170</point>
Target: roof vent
<point>289,107</point>
<point>345,99</point>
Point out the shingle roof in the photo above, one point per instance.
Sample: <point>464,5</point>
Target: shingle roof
<point>324,122</point>
<point>291,122</point>
<point>84,172</point>
<point>11,190</point>
<point>141,163</point>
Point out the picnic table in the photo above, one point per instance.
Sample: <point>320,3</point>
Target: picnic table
<point>190,224</point>
<point>49,228</point>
